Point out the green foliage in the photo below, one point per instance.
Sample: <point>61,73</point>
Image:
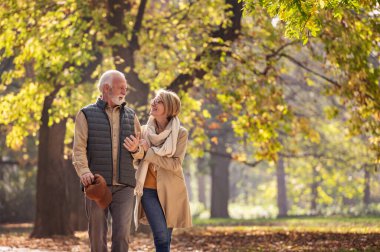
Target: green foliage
<point>57,41</point>
<point>172,36</point>
<point>49,46</point>
<point>261,80</point>
<point>344,224</point>
<point>349,35</point>
<point>304,18</point>
<point>191,116</point>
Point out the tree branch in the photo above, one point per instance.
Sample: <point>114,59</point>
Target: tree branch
<point>134,44</point>
<point>10,162</point>
<point>124,56</point>
<point>276,52</point>
<point>296,62</point>
<point>230,33</point>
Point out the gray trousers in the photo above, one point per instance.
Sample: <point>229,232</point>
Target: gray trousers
<point>121,210</point>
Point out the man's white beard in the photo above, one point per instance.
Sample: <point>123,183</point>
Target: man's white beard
<point>116,100</point>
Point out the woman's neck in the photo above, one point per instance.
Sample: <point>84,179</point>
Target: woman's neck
<point>161,123</point>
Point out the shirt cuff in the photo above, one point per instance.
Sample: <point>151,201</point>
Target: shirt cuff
<point>136,151</point>
<point>82,171</point>
<point>139,154</point>
<point>149,155</point>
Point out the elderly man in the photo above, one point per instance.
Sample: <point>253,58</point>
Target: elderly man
<point>100,130</point>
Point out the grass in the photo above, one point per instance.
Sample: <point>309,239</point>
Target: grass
<point>339,224</point>
<point>16,228</point>
<point>366,224</point>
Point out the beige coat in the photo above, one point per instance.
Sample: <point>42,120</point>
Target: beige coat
<point>171,187</point>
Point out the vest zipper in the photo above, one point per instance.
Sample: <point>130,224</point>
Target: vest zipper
<point>104,111</point>
<point>120,143</point>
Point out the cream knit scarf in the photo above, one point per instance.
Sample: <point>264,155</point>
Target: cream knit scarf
<point>163,144</point>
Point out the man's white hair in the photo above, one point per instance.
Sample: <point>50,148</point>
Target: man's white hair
<point>107,77</point>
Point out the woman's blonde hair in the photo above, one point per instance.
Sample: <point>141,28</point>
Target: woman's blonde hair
<point>172,103</point>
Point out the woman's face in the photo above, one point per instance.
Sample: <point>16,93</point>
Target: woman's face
<point>157,108</point>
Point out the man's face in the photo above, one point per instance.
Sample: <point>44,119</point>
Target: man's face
<point>117,92</point>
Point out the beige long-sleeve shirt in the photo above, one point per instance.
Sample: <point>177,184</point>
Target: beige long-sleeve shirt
<point>80,161</point>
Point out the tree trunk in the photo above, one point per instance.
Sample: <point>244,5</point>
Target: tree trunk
<point>219,163</point>
<point>124,54</point>
<point>78,218</point>
<point>188,185</point>
<point>314,191</point>
<point>235,177</point>
<point>187,174</point>
<point>367,187</point>
<point>201,179</point>
<point>202,190</point>
<point>281,189</point>
<point>52,211</point>
<point>212,52</point>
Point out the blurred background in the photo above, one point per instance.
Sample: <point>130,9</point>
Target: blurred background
<point>281,100</point>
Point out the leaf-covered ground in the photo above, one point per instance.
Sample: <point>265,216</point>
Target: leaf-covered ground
<point>226,235</point>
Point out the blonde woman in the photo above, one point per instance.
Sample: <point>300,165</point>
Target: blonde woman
<point>161,194</point>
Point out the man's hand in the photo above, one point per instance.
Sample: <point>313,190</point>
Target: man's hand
<point>131,143</point>
<point>87,179</point>
<point>144,144</point>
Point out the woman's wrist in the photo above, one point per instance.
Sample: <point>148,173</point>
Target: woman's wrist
<point>136,151</point>
<point>145,152</point>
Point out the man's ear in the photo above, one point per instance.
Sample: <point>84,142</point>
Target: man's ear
<point>107,87</point>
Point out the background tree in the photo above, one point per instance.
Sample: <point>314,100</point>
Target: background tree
<point>52,50</point>
<point>202,50</point>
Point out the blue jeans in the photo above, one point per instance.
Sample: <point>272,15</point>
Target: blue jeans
<point>161,233</point>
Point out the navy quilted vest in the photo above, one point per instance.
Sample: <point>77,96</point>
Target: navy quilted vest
<point>99,143</point>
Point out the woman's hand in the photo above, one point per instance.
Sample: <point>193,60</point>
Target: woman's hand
<point>144,144</point>
<point>131,143</point>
